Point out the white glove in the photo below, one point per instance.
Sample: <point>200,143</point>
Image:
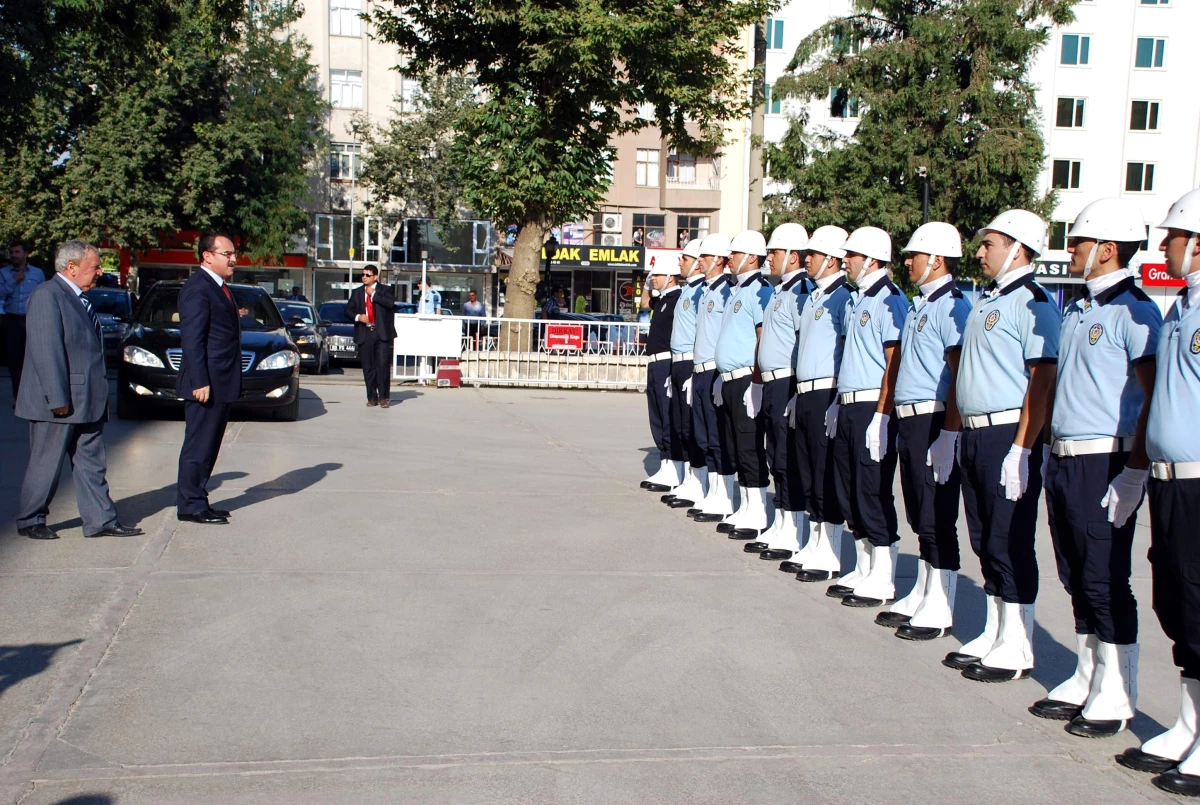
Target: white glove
<point>877,436</point>
<point>753,399</point>
<point>1014,472</point>
<point>1124,495</point>
<point>670,391</point>
<point>831,416</point>
<point>940,455</point>
<point>687,389</point>
<point>789,411</point>
<point>717,384</point>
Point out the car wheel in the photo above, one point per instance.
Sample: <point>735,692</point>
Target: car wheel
<point>289,412</point>
<point>129,408</point>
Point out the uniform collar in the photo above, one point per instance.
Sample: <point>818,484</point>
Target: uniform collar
<point>872,282</point>
<point>696,280</point>
<point>789,280</point>
<point>931,288</point>
<point>1102,290</point>
<point>831,283</point>
<point>716,283</point>
<point>1023,276</point>
<point>1191,293</point>
<point>669,291</point>
<point>749,277</point>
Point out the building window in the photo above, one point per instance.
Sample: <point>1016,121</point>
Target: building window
<point>1065,174</point>
<point>346,89</point>
<point>1075,49</point>
<point>650,230</point>
<point>774,34</point>
<point>1143,116</point>
<point>1139,177</point>
<point>841,104</point>
<point>344,19</point>
<point>690,227</point>
<point>1057,237</point>
<point>344,160</point>
<point>410,88</point>
<point>771,106</point>
<point>647,168</point>
<point>333,238</point>
<point>1155,2</point>
<point>1070,113</point>
<point>1150,53</point>
<point>681,168</point>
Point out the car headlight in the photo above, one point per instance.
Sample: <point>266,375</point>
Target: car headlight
<point>141,357</point>
<point>306,339</point>
<point>284,359</point>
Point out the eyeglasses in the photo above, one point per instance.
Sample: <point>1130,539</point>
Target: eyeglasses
<point>226,255</point>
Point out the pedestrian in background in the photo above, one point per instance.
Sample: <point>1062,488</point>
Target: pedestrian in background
<point>476,310</point>
<point>65,399</point>
<point>430,303</point>
<point>372,308</point>
<point>17,282</point>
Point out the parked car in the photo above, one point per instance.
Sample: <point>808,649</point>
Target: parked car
<point>114,307</point>
<point>308,330</point>
<point>152,353</point>
<point>339,331</point>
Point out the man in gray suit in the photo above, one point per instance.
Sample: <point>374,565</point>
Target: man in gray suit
<point>64,395</point>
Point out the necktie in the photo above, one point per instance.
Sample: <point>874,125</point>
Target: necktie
<point>228,295</point>
<point>370,308</point>
<point>87,305</point>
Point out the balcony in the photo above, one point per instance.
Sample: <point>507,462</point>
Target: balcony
<point>691,183</point>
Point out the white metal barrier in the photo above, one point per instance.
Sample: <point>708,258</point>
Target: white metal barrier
<point>561,353</point>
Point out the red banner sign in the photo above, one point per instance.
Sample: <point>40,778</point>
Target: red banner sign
<point>564,336</point>
<point>1154,275</point>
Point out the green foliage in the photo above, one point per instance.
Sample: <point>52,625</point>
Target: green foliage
<point>130,119</point>
<point>942,84</point>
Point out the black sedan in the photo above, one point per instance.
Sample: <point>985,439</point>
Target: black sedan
<point>114,307</point>
<point>309,332</point>
<point>151,355</point>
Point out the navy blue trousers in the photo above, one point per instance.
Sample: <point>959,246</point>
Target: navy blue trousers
<point>706,424</point>
<point>681,414</point>
<point>864,486</point>
<point>202,435</point>
<point>814,456</point>
<point>659,405</point>
<point>931,509</point>
<point>781,447</point>
<point>1175,565</point>
<point>745,434</point>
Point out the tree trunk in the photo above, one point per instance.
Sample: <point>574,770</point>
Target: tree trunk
<point>522,283</point>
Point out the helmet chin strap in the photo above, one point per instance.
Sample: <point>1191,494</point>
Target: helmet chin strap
<point>862,272</point>
<point>1087,267</point>
<point>1008,261</point>
<point>928,271</point>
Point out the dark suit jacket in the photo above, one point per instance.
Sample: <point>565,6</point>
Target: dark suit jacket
<point>212,341</point>
<point>64,359</point>
<point>385,310</point>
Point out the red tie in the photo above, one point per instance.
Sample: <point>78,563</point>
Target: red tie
<point>228,295</point>
<point>370,308</point>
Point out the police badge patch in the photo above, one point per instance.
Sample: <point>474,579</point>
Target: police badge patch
<point>821,310</point>
<point>710,305</point>
<point>1196,343</point>
<point>921,323</point>
<point>778,302</point>
<point>687,303</point>
<point>737,306</point>
<point>991,320</point>
<point>866,317</point>
<point>1095,333</point>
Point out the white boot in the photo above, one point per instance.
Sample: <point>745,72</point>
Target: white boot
<point>757,515</point>
<point>879,585</point>
<point>1013,650</point>
<point>810,531</point>
<point>1113,696</point>
<point>1177,741</point>
<point>1066,701</point>
<point>826,557</point>
<point>862,566</point>
<point>692,488</point>
<point>981,645</point>
<point>668,476</point>
<point>785,533</point>
<point>721,499</point>
<point>907,606</point>
<point>935,615</point>
<point>741,509</point>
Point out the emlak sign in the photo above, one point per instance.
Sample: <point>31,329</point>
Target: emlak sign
<point>1154,275</point>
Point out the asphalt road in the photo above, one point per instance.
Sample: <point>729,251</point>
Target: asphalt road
<point>467,599</point>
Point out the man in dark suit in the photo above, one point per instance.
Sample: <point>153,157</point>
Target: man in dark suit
<point>64,396</point>
<point>210,376</point>
<point>372,308</point>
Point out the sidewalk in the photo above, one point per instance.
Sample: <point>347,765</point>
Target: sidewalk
<point>466,599</point>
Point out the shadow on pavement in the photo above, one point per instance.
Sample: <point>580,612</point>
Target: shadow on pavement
<point>135,508</point>
<point>22,662</point>
<point>287,484</point>
<point>87,799</point>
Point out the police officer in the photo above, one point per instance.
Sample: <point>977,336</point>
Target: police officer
<point>1173,445</point>
<point>1098,464</point>
<point>1005,381</point>
<point>927,426</point>
<point>721,500</point>
<point>818,359</point>
<point>864,449</point>
<point>739,389</point>
<point>777,365</point>
<point>683,340</point>
<point>665,290</point>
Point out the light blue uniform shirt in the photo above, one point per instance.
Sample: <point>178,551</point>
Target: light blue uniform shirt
<point>1173,434</point>
<point>708,318</point>
<point>1098,394</point>
<point>874,321</point>
<point>14,296</point>
<point>430,303</point>
<point>822,331</point>
<point>781,323</point>
<point>738,341</point>
<point>933,328</point>
<point>1007,332</point>
<point>683,334</point>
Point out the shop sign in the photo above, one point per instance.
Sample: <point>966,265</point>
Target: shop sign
<point>568,337</point>
<point>597,257</point>
<point>1056,269</point>
<point>1154,275</point>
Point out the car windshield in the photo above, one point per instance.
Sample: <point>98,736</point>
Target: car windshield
<point>110,302</point>
<point>296,310</point>
<point>256,309</point>
<point>334,312</point>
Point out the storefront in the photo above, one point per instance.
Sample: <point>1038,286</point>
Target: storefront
<point>1160,286</point>
<point>605,276</point>
<point>178,259</point>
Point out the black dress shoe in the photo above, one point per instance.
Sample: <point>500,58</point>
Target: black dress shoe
<point>1176,782</point>
<point>1055,710</point>
<point>724,527</point>
<point>790,567</point>
<point>644,484</point>
<point>753,547</point>
<point>117,530</point>
<point>959,662</point>
<point>39,531</point>
<point>649,487</point>
<point>1094,728</point>
<point>838,591</point>
<point>204,518</point>
<point>814,575</point>
<point>693,512</point>
<point>667,498</point>
<point>680,503</point>
<point>372,403</point>
<point>892,620</point>
<point>775,554</point>
<point>862,602</point>
<point>219,512</point>
<point>745,533</point>
<point>1136,759</point>
<point>707,517</point>
<point>978,672</point>
<point>910,632</point>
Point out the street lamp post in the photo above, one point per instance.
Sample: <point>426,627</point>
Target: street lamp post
<point>353,192</point>
<point>923,172</point>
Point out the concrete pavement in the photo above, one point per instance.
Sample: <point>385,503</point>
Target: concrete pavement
<point>467,599</point>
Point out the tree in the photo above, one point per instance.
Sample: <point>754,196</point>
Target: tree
<point>558,80</point>
<point>132,119</point>
<point>941,84</point>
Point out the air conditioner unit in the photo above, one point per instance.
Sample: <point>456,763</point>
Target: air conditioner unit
<point>610,240</point>
<point>611,222</point>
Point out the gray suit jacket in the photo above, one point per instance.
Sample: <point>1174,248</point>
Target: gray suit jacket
<point>64,359</point>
